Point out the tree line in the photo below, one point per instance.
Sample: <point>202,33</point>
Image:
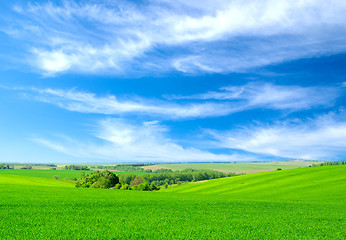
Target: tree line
<point>76,167</point>
<point>329,163</point>
<point>5,166</point>
<point>147,182</point>
<point>126,168</point>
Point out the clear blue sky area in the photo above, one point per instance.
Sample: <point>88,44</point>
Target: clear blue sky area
<point>172,81</point>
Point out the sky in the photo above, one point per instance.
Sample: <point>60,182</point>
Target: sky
<point>172,81</point>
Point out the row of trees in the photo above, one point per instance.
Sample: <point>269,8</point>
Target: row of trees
<point>5,166</point>
<point>330,163</point>
<point>107,179</point>
<point>169,178</point>
<point>26,167</point>
<point>147,182</point>
<point>76,167</point>
<point>137,184</point>
<point>125,168</point>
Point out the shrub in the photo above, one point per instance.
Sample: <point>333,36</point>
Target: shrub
<point>153,187</point>
<point>124,186</point>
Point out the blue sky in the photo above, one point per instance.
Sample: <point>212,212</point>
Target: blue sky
<point>170,81</point>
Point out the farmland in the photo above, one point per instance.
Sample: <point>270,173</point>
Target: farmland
<point>43,173</point>
<point>307,203</point>
<point>236,167</point>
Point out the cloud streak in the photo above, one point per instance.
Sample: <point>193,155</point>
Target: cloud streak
<point>227,36</point>
<point>110,105</point>
<point>226,101</point>
<point>265,95</point>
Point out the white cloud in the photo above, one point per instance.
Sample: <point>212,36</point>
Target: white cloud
<point>226,36</point>
<point>321,138</point>
<point>90,103</point>
<point>265,95</point>
<point>127,142</point>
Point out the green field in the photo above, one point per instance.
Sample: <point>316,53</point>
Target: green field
<point>44,173</point>
<point>312,184</point>
<point>304,203</point>
<point>235,167</point>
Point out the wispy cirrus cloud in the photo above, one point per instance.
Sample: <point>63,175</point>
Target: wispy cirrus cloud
<point>323,137</point>
<point>226,101</point>
<point>265,95</point>
<point>128,37</point>
<point>126,141</point>
<point>110,105</point>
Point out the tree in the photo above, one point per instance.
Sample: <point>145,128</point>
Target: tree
<point>105,179</point>
<point>138,180</point>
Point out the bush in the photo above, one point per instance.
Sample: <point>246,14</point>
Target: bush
<point>153,187</point>
<point>124,186</point>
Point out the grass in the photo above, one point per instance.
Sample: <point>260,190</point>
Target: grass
<point>243,207</point>
<point>235,167</point>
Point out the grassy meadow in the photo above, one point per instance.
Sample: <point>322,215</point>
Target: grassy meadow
<point>306,203</point>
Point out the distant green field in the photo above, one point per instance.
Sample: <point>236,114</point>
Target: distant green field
<point>12,180</point>
<point>292,204</point>
<point>44,173</point>
<point>235,167</point>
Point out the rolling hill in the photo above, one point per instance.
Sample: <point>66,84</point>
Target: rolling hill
<point>316,183</point>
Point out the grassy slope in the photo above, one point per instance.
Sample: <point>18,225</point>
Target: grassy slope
<point>235,167</point>
<point>317,183</point>
<point>34,208</point>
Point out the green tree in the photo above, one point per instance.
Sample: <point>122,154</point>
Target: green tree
<point>105,179</point>
<point>138,180</point>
